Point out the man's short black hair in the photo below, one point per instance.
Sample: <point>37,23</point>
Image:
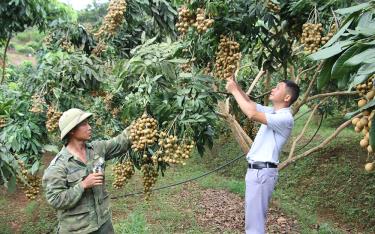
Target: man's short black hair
<point>293,89</point>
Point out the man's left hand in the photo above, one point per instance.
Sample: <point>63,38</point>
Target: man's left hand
<point>231,85</point>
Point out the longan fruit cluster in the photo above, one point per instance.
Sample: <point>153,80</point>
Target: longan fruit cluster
<point>227,57</point>
<point>201,23</point>
<point>53,116</point>
<point>32,186</point>
<point>185,20</point>
<point>329,35</point>
<point>115,112</point>
<point>251,128</point>
<point>113,19</point>
<point>143,132</point>
<point>171,151</point>
<point>363,124</point>
<point>273,7</point>
<point>187,67</point>
<point>149,175</point>
<point>3,122</point>
<point>122,173</point>
<point>99,49</point>
<point>48,40</point>
<point>311,37</point>
<point>108,100</point>
<point>37,103</point>
<point>67,46</point>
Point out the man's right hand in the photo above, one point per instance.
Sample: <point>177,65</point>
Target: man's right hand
<point>92,180</point>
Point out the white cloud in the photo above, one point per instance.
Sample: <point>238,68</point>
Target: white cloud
<point>81,4</point>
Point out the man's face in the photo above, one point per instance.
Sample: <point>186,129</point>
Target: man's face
<point>82,132</point>
<point>279,93</point>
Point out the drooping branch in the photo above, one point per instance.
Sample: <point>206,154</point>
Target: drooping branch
<point>319,147</point>
<point>298,78</point>
<point>338,93</point>
<point>255,81</point>
<point>292,75</point>
<point>302,133</point>
<point>302,101</point>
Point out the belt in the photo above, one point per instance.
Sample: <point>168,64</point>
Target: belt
<point>261,165</point>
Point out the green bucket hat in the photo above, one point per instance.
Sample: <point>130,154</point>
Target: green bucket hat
<point>70,119</point>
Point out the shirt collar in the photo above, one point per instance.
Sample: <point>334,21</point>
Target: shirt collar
<point>69,155</point>
<point>282,110</point>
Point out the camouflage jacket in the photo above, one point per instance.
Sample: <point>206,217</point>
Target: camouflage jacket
<point>81,210</point>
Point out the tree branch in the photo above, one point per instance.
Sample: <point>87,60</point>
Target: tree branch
<point>302,101</point>
<point>260,74</point>
<point>298,78</point>
<point>338,93</point>
<point>302,133</point>
<point>5,56</point>
<point>319,147</point>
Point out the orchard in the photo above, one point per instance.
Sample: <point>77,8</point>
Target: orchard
<point>160,67</point>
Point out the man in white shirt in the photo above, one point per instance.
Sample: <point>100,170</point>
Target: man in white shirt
<point>277,123</point>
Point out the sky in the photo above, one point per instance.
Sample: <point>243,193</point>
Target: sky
<point>81,4</point>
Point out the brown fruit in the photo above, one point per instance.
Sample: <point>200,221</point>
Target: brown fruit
<point>362,102</point>
<point>369,167</point>
<point>355,120</point>
<point>363,143</point>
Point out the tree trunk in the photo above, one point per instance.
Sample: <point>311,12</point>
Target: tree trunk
<point>4,57</point>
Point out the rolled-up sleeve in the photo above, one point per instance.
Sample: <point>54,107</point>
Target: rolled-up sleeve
<point>58,194</point>
<point>265,109</point>
<point>114,147</point>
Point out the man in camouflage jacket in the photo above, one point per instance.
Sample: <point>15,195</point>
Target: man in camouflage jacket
<point>74,182</point>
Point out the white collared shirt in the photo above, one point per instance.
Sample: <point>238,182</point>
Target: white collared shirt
<point>271,138</point>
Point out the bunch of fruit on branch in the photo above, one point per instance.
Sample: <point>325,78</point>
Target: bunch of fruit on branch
<point>251,128</point>
<point>67,46</point>
<point>53,116</point>
<point>187,18</point>
<point>30,184</point>
<point>123,171</point>
<point>363,124</point>
<point>273,6</point>
<point>311,37</point>
<point>154,148</point>
<point>113,19</point>
<point>3,122</point>
<point>149,175</point>
<point>187,67</point>
<point>38,103</point>
<point>331,32</point>
<point>201,23</point>
<point>227,57</point>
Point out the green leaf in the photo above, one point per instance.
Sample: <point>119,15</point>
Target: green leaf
<point>368,105</point>
<point>35,167</point>
<point>178,60</point>
<point>338,34</point>
<point>331,51</point>
<point>361,57</point>
<point>325,73</point>
<point>357,80</point>
<point>11,184</point>
<point>339,69</point>
<point>349,10</point>
<point>366,69</point>
<point>51,148</point>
